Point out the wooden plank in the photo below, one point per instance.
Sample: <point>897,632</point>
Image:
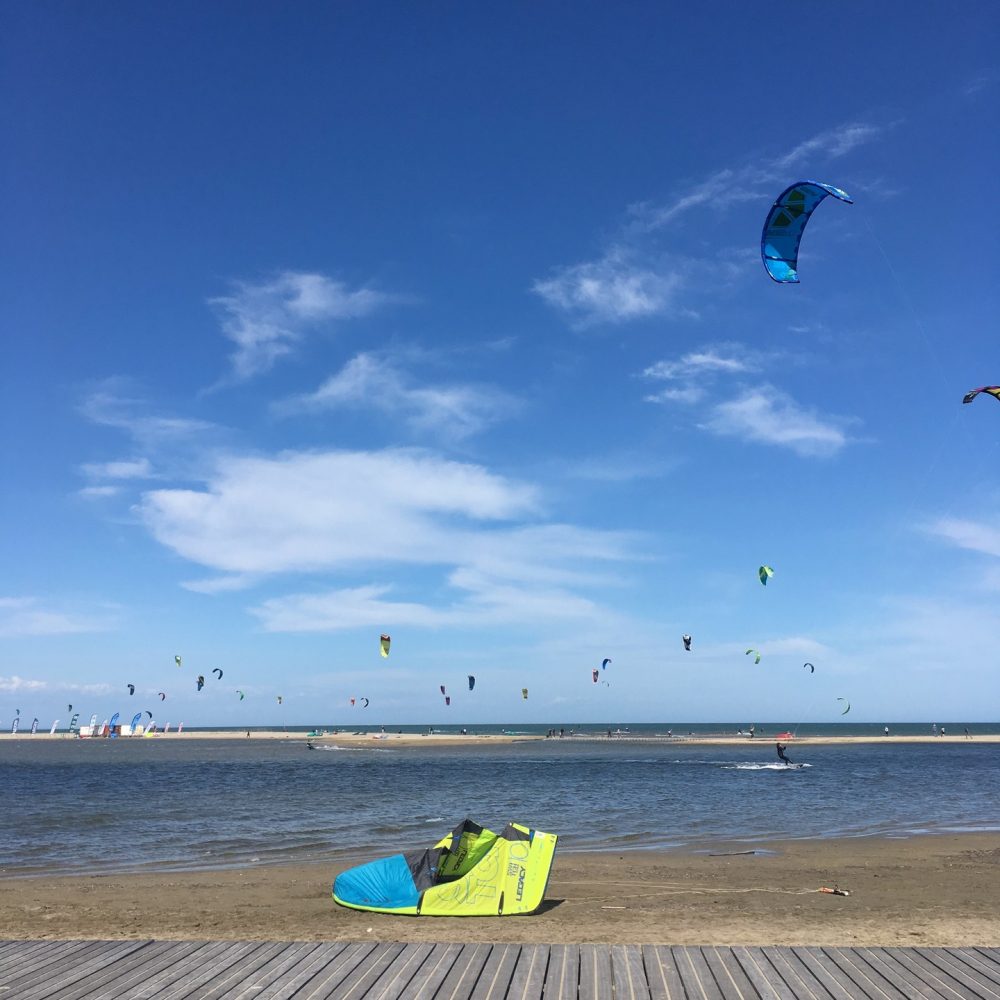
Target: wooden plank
<point>696,976</point>
<point>982,985</point>
<point>993,954</point>
<point>803,984</point>
<point>562,976</point>
<point>762,974</point>
<point>38,954</point>
<point>839,985</point>
<point>902,978</point>
<point>398,975</point>
<point>262,971</point>
<point>961,984</point>
<point>497,973</point>
<point>305,970</point>
<point>529,972</point>
<point>434,971</point>
<point>358,980</point>
<point>628,972</point>
<point>595,973</point>
<point>59,976</point>
<point>193,971</point>
<point>874,976</point>
<point>729,974</point>
<point>131,970</point>
<point>140,973</point>
<point>203,953</point>
<point>464,973</point>
<point>974,960</point>
<point>326,982</point>
<point>928,974</point>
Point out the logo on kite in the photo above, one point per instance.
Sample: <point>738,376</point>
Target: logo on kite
<point>992,390</point>
<point>163,695</point>
<point>847,703</point>
<point>524,693</point>
<point>686,639</point>
<point>764,573</point>
<point>383,645</point>
<point>177,660</point>
<point>472,682</point>
<point>218,671</point>
<point>756,658</point>
<point>201,681</point>
<point>812,669</point>
<point>131,688</point>
<point>785,223</point>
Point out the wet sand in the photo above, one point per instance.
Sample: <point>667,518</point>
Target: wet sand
<point>929,890</point>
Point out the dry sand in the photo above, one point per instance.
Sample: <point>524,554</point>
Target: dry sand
<point>930,891</point>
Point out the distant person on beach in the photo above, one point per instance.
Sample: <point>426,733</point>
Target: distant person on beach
<point>886,730</point>
<point>942,730</point>
<point>967,736</point>
<point>780,747</point>
<point>248,734</point>
<point>751,732</point>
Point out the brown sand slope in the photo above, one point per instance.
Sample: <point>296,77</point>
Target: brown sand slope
<point>924,891</point>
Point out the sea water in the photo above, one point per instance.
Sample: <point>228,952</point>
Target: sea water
<point>183,803</point>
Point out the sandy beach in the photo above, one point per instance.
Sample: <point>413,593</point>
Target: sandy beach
<point>930,890</point>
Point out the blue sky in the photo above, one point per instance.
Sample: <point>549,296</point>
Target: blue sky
<point>322,321</point>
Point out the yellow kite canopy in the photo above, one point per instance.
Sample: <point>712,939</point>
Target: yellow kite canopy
<point>472,872</point>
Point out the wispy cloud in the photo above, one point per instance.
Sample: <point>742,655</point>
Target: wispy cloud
<point>138,468</point>
<point>317,510</point>
<point>633,279</point>
<point>973,535</point>
<point>690,374</point>
<point>15,684</point>
<point>368,380</point>
<point>830,144</point>
<point>24,616</point>
<point>115,403</point>
<point>768,416</point>
<point>268,319</point>
<point>611,290</point>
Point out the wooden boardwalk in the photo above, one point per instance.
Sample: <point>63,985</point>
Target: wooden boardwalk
<point>261,970</point>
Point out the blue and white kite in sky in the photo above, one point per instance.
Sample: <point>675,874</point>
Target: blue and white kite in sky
<point>785,223</point>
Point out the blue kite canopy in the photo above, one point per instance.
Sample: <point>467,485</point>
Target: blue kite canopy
<point>785,223</point>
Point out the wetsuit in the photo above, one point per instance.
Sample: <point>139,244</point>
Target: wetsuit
<point>781,753</point>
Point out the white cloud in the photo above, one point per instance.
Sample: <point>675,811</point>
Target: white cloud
<point>768,416</point>
<point>611,290</point>
<point>724,359</point>
<point>626,283</point>
<point>267,320</point>
<point>135,468</point>
<point>317,510</point>
<point>112,405</point>
<point>455,411</point>
<point>15,684</point>
<point>973,535</point>
<point>832,143</point>
<point>23,616</point>
<point>96,492</point>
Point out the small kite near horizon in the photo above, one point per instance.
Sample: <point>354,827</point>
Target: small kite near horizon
<point>756,658</point>
<point>765,573</point>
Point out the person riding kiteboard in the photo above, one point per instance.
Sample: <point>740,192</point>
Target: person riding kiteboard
<point>780,747</point>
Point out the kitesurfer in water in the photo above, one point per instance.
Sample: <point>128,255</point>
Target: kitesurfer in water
<point>780,747</point>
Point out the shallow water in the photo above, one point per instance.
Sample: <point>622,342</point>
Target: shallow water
<point>124,805</point>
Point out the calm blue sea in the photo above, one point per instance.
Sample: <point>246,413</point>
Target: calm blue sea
<point>126,805</point>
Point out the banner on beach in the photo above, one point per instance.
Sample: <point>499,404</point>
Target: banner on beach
<point>135,722</point>
<point>34,726</point>
<point>112,724</point>
<point>73,722</point>
<point>14,725</point>
<point>52,731</point>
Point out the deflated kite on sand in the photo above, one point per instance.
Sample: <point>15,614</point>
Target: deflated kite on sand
<point>472,872</point>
